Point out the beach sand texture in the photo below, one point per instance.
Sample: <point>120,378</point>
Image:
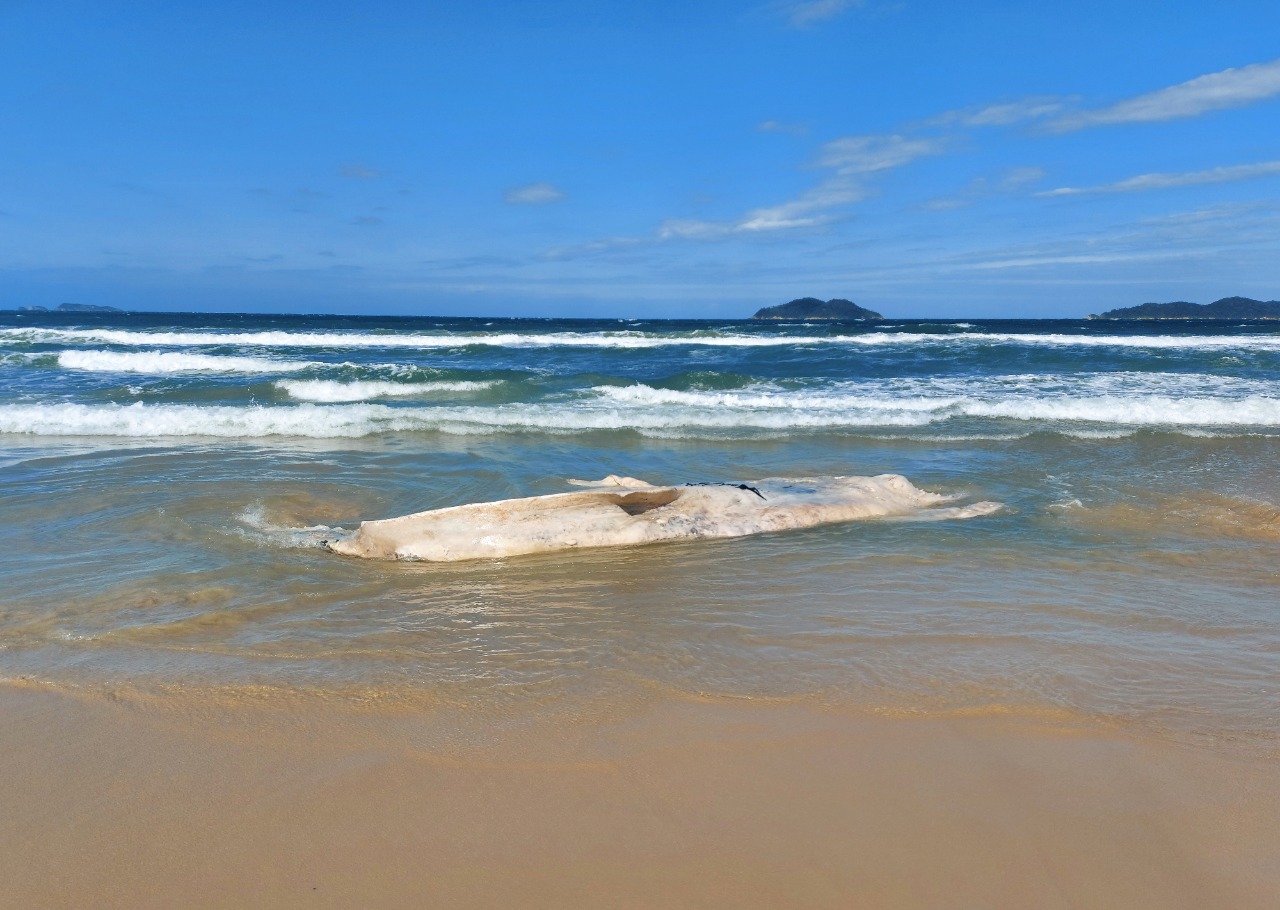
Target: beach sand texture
<point>229,801</point>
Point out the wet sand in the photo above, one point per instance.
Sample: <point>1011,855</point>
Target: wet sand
<point>225,801</point>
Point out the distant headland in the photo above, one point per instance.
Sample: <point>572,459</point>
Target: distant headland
<point>811,308</point>
<point>71,308</point>
<point>1226,308</point>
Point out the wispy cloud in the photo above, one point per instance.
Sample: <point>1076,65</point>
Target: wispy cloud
<point>1007,113</point>
<point>596,247</point>
<point>359,172</point>
<point>1228,88</point>
<point>1223,234</point>
<point>1212,92</point>
<point>849,168</point>
<point>803,13</point>
<point>869,154</point>
<point>1166,181</point>
<point>1024,262</point>
<point>806,210</point>
<point>1011,181</point>
<point>852,162</point>
<point>775,126</point>
<point>532,194</point>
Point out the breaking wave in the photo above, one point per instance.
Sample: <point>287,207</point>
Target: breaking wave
<point>332,391</point>
<point>621,339</point>
<point>643,409</point>
<point>158,363</point>
<point>1119,399</point>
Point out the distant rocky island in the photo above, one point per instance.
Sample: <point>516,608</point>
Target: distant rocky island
<point>1226,308</point>
<point>70,308</point>
<point>811,308</point>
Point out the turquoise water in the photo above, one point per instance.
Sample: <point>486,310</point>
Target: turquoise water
<point>158,474</point>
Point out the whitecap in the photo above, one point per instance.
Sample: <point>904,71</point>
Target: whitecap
<point>159,363</point>
<point>332,391</point>
<point>653,412</point>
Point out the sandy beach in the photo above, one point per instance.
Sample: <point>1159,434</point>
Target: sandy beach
<point>252,800</point>
<point>559,455</point>
<point>1041,675</point>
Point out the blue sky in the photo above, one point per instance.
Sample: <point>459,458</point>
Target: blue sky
<point>661,159</point>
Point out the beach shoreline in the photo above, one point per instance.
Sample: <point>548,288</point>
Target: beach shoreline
<point>119,802</point>
<point>1068,702</point>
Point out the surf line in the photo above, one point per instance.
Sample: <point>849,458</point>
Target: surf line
<point>624,511</point>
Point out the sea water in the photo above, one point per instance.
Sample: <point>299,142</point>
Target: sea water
<point>163,478</point>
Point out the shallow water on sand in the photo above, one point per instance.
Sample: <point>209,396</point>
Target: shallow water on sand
<point>1131,576</point>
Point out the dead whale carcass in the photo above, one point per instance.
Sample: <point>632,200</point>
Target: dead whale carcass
<point>622,511</point>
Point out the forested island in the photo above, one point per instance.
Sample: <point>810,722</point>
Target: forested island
<point>811,308</point>
<point>1226,308</point>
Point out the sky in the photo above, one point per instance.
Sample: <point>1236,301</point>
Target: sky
<point>661,159</point>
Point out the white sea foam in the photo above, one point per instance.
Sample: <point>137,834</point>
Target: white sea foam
<point>159,363</point>
<point>327,421</point>
<point>258,529</point>
<point>1124,398</point>
<point>1148,410</point>
<point>1153,342</point>
<point>764,398</point>
<point>653,412</point>
<point>332,391</point>
<point>620,339</point>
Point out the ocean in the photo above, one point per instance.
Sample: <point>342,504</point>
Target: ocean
<point>163,478</point>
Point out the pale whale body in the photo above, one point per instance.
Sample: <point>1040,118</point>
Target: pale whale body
<point>623,511</point>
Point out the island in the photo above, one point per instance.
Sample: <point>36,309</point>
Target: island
<point>811,308</point>
<point>70,308</point>
<point>86,308</point>
<point>1226,308</point>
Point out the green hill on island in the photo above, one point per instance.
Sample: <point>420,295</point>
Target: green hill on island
<point>1226,308</point>
<point>806,308</point>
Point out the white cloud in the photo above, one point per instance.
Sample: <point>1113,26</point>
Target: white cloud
<point>1004,114</point>
<point>1216,91</point>
<point>693,229</point>
<point>808,12</point>
<point>1079,259</point>
<point>1013,112</point>
<point>806,209</point>
<point>1166,181</point>
<point>851,159</point>
<point>532,194</point>
<point>868,154</point>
